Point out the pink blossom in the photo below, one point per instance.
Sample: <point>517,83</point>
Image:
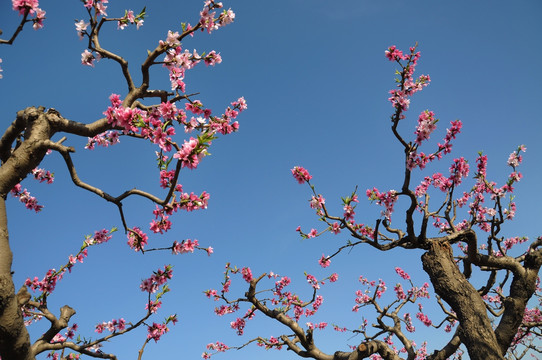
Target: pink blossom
<point>408,320</point>
<point>312,281</point>
<point>238,325</point>
<point>87,58</point>
<point>43,175</point>
<point>394,54</point>
<point>312,233</point>
<point>240,104</point>
<point>137,239</point>
<point>426,125</point>
<point>317,202</point>
<point>399,292</point>
<point>212,58</point>
<point>402,273</point>
<point>227,17</point>
<point>185,246</point>
<point>324,261</point>
<point>387,199</point>
<point>424,319</point>
<point>335,228</point>
<point>459,170</point>
<point>30,202</point>
<point>25,5</point>
<point>247,274</point>
<point>38,20</point>
<point>301,174</point>
<point>156,331</point>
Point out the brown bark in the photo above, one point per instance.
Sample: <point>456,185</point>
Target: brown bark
<point>14,338</point>
<point>521,290</point>
<point>476,331</point>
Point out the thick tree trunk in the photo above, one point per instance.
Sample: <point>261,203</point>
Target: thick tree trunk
<point>476,331</point>
<point>521,290</point>
<point>14,338</point>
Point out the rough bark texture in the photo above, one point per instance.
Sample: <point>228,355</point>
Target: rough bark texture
<point>366,349</point>
<point>521,290</point>
<point>14,338</point>
<point>22,148</point>
<point>476,331</point>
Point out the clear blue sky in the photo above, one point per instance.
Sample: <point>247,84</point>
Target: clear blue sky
<point>316,80</point>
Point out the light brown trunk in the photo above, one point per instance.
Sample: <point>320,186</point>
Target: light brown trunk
<point>476,331</point>
<point>14,338</point>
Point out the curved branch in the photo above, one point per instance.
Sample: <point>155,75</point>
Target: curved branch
<point>448,350</point>
<point>18,30</point>
<point>11,133</point>
<point>95,46</point>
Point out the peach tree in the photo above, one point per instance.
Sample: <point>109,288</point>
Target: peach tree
<point>158,116</point>
<point>485,284</point>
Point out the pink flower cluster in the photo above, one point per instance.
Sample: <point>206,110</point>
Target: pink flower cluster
<point>247,274</point>
<point>47,284</point>
<point>362,298</point>
<point>284,299</point>
<point>111,326</point>
<point>451,133</point>
<point>98,5</point>
<point>324,261</point>
<point>312,281</point>
<point>421,160</point>
<point>426,125</point>
<point>515,158</point>
<point>88,58</point>
<point>402,273</point>
<point>188,202</point>
<point>458,171</point>
<point>99,237</point>
<point>348,207</point>
<point>43,175</point>
<point>31,7</point>
<point>399,292</point>
<point>386,199</point>
<point>49,281</point>
<point>318,202</point>
<point>30,202</point>
<point>184,246</point>
<point>408,321</point>
<point>119,116</point>
<point>319,326</point>
<point>137,239</point>
<point>301,174</point>
<point>156,331</point>
<point>272,342</point>
<point>239,325</point>
<point>81,28</point>
<point>130,18</point>
<point>207,16</point>
<point>191,152</point>
<point>217,124</point>
<point>423,317</point>
<point>480,214</point>
<point>407,85</point>
<point>178,61</point>
<point>104,139</point>
<point>159,278</point>
<point>217,346</point>
<point>69,334</point>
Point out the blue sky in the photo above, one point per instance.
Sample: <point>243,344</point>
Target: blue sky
<point>316,81</point>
